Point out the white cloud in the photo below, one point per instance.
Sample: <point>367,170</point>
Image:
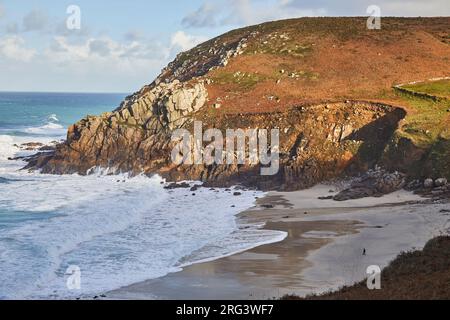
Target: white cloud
<point>36,20</point>
<point>12,28</point>
<point>183,41</point>
<point>204,16</point>
<point>133,35</point>
<point>246,12</point>
<point>215,13</point>
<point>62,49</point>
<point>13,48</point>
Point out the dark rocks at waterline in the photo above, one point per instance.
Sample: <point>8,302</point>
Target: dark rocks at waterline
<point>30,146</point>
<point>177,185</point>
<point>195,187</point>
<point>47,148</point>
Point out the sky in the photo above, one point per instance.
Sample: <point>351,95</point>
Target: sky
<point>122,45</point>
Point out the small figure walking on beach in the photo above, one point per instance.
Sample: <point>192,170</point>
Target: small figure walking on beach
<point>364,251</point>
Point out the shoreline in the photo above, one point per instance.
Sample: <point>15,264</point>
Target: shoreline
<point>300,264</point>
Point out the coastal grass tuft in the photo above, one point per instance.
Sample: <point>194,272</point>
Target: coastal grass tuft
<point>242,80</point>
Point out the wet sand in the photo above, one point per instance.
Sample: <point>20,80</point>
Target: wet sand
<point>299,264</point>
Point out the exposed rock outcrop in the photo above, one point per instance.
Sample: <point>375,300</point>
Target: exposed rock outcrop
<point>374,183</point>
<point>137,138</point>
<point>324,132</point>
<point>165,106</point>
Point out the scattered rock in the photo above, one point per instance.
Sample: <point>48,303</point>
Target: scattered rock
<point>428,183</point>
<point>237,194</point>
<point>440,182</point>
<point>326,198</point>
<point>267,206</point>
<point>414,185</point>
<point>32,144</point>
<point>374,183</point>
<point>175,185</point>
<point>47,148</point>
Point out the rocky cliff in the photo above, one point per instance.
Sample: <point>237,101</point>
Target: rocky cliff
<point>305,77</point>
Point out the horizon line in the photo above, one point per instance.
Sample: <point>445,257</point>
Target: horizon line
<point>73,92</point>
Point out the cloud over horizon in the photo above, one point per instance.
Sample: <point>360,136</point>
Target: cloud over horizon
<point>114,52</point>
<point>214,13</point>
<point>128,60</point>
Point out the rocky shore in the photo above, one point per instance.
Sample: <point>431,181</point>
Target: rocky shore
<point>320,139</point>
<point>378,182</point>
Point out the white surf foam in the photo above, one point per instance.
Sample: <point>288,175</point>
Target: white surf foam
<point>48,129</point>
<point>118,230</point>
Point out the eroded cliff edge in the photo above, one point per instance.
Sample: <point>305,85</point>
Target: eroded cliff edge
<point>268,76</point>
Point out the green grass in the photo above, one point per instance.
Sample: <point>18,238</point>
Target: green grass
<point>244,81</point>
<point>428,123</point>
<point>438,88</point>
<point>428,128</point>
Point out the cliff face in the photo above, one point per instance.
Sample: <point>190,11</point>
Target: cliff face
<point>268,77</point>
<point>318,141</point>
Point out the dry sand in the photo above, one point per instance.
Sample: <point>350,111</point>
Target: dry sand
<point>323,249</point>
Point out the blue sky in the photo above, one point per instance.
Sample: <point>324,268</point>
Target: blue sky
<point>123,45</point>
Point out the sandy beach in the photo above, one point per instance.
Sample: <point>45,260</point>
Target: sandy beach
<point>323,249</point>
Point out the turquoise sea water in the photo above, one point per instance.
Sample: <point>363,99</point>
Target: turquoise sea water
<point>117,230</point>
<point>33,113</point>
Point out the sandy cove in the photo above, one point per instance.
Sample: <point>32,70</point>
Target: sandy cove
<point>322,251</point>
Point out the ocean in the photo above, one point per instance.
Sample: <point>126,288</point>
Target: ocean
<point>117,230</point>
